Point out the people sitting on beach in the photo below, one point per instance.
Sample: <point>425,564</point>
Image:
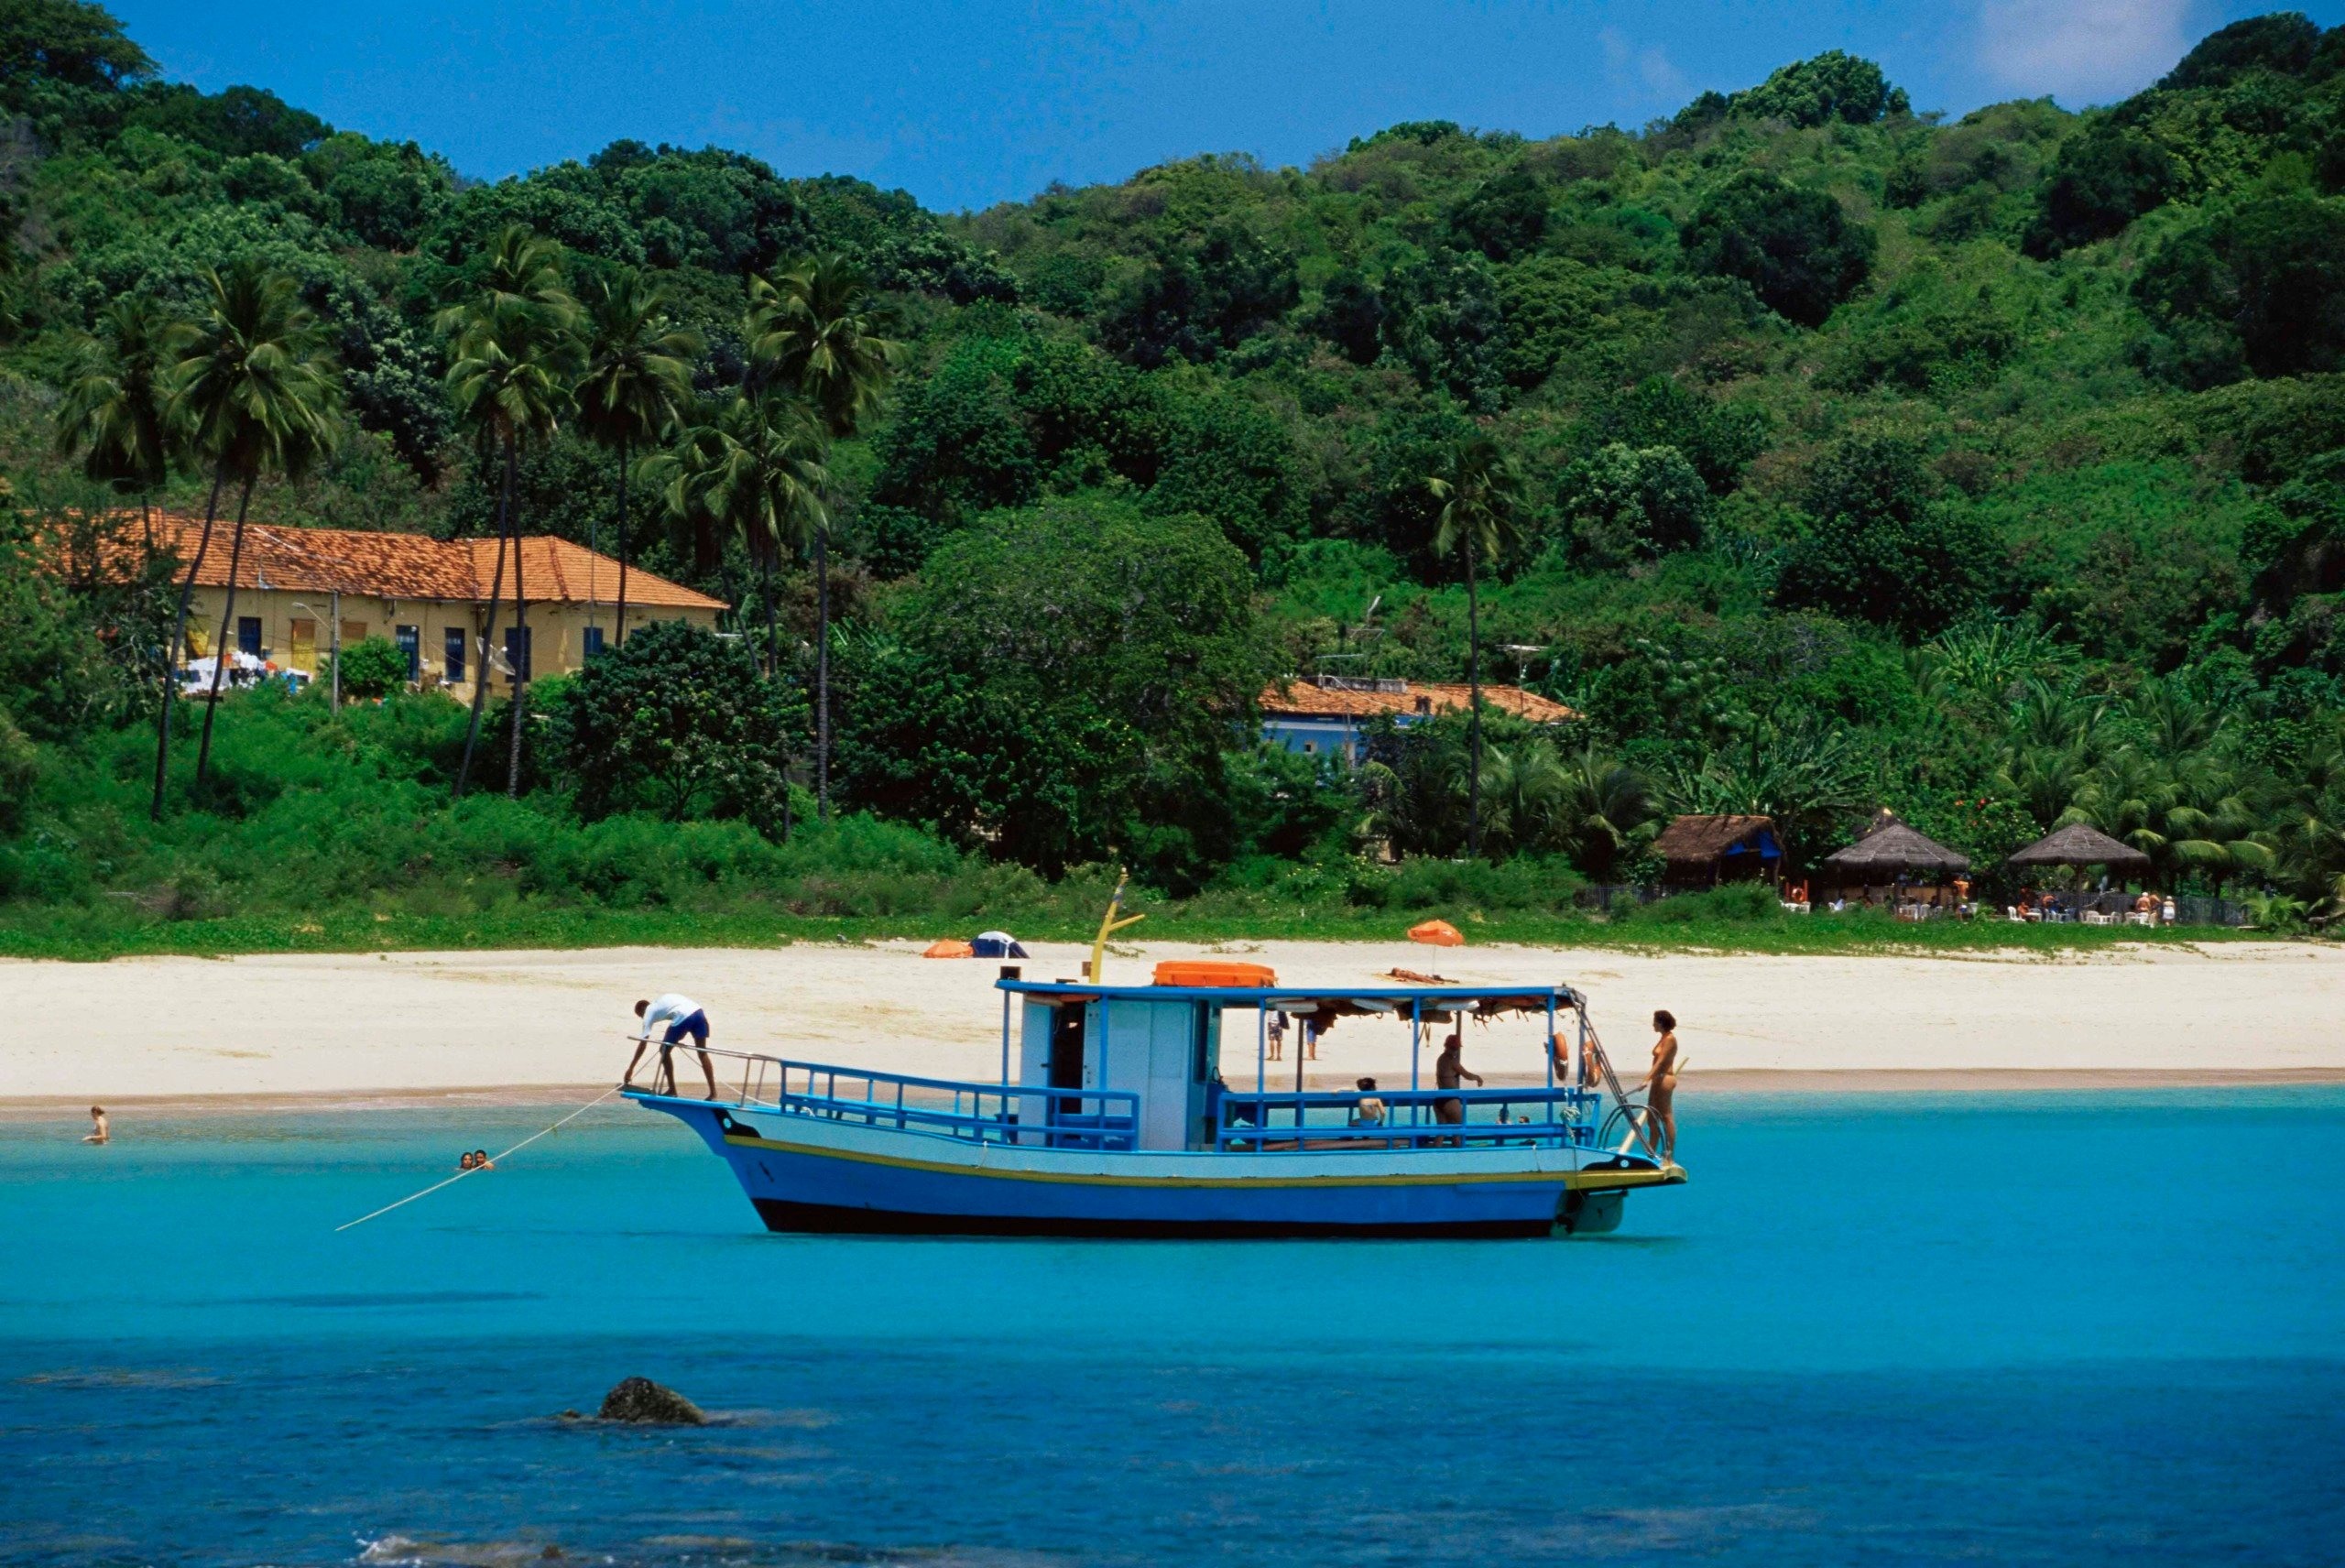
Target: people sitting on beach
<point>1369,1111</point>
<point>679,1015</point>
<point>98,1131</point>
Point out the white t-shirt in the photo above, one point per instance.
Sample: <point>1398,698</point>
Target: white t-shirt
<point>673,1007</point>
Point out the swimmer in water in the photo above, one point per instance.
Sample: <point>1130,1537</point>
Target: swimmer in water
<point>98,1130</point>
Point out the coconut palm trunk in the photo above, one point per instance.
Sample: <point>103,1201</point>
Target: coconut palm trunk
<point>1474,719</point>
<point>618,631</point>
<point>520,659</point>
<point>488,630</point>
<point>823,671</point>
<point>179,640</point>
<point>227,622</point>
<point>765,586</point>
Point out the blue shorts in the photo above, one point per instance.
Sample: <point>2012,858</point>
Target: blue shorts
<point>695,1026</point>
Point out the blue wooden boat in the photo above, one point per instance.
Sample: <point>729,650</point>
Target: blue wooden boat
<point>1112,1117</point>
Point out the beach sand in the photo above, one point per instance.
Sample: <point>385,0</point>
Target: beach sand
<point>388,1027</point>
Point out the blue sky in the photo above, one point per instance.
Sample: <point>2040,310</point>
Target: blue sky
<point>966,102</point>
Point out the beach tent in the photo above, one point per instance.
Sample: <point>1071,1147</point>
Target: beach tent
<point>997,944</point>
<point>949,947</point>
<point>2081,843</point>
<point>1438,933</point>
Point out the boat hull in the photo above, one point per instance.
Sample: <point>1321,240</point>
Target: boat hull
<point>810,1174</point>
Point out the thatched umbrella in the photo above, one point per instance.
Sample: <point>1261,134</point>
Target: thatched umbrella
<point>1889,847</point>
<point>2081,843</point>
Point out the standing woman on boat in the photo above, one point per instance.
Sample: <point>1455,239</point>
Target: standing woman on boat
<point>1660,1083</point>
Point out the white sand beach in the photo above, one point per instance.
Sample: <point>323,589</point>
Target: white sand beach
<point>525,1024</point>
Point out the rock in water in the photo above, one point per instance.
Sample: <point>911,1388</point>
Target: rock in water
<point>642,1400</point>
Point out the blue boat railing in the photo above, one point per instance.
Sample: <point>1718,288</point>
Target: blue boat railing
<point>1237,1121</point>
<point>1274,1122</point>
<point>1033,1118</point>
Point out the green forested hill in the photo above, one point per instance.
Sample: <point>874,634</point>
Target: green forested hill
<point>1992,469</point>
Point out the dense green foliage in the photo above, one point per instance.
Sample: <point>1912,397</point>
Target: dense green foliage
<point>1990,469</point>
<point>679,721</point>
<point>371,668</point>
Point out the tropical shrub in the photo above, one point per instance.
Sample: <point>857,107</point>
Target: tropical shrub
<point>371,668</point>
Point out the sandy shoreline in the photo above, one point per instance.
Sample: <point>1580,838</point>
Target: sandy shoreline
<point>530,1027</point>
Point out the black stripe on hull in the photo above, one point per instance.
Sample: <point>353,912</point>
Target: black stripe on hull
<point>830,1219</point>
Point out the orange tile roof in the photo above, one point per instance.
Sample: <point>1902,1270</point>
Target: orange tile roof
<point>1308,698</point>
<point>405,566</point>
<point>560,569</point>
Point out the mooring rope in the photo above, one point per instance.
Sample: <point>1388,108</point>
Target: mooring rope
<point>476,1170</point>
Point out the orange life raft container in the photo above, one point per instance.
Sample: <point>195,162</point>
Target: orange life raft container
<point>1200,973</point>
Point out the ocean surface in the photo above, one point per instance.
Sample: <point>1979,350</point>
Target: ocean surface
<point>2058,1329</point>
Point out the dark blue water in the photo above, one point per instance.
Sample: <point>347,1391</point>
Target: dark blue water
<point>2079,1329</point>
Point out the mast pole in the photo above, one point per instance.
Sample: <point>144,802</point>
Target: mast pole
<point>1416,1038</point>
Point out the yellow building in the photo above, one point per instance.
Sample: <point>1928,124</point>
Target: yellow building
<point>429,596</point>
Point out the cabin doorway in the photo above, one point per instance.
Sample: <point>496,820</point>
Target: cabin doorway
<point>1066,1057</point>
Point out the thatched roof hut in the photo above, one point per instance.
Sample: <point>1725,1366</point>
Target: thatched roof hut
<point>1719,849</point>
<point>1888,848</point>
<point>2081,843</point>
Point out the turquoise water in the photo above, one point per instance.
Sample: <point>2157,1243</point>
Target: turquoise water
<point>2054,1329</point>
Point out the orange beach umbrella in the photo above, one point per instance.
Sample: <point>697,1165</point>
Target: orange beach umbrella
<point>1436,933</point>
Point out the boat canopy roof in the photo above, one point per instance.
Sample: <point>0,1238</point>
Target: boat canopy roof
<point>1482,1001</point>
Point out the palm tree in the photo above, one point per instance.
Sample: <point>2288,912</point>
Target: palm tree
<point>255,387</point>
<point>813,329</point>
<point>513,359</point>
<point>2130,797</point>
<point>756,470</point>
<point>1480,492</point>
<point>116,409</point>
<point>679,475</point>
<point>2312,834</point>
<point>1603,810</point>
<point>1805,773</point>
<point>1992,659</point>
<point>2175,725</point>
<point>2220,821</point>
<point>637,381</point>
<point>116,412</point>
<point>1523,786</point>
